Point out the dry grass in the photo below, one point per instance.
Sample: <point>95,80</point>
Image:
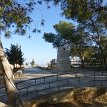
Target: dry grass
<point>83,97</point>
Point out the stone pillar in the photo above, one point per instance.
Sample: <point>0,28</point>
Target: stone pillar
<point>63,60</point>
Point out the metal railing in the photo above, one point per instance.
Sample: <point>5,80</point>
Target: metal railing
<point>39,85</point>
<point>35,87</point>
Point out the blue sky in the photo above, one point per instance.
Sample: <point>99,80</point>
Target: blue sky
<point>36,48</point>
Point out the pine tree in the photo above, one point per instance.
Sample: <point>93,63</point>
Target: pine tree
<point>15,55</point>
<point>32,62</point>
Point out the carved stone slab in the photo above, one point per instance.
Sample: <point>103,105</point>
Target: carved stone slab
<point>63,60</point>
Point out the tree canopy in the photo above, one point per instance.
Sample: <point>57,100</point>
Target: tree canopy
<point>15,55</point>
<point>32,62</point>
<point>71,37</point>
<point>64,32</point>
<point>14,18</point>
<point>91,17</point>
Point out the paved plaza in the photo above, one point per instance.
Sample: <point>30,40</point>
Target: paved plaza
<point>36,82</point>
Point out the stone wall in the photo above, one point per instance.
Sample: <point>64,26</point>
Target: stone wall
<point>95,97</point>
<point>63,60</point>
<point>62,96</point>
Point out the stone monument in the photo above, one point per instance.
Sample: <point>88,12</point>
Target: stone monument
<point>63,60</point>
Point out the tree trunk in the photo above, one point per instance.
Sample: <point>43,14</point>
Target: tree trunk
<point>103,55</point>
<point>102,51</point>
<point>99,44</point>
<point>12,93</point>
<point>82,60</point>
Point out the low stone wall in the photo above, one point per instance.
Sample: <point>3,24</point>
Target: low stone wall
<point>83,95</point>
<point>53,98</point>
